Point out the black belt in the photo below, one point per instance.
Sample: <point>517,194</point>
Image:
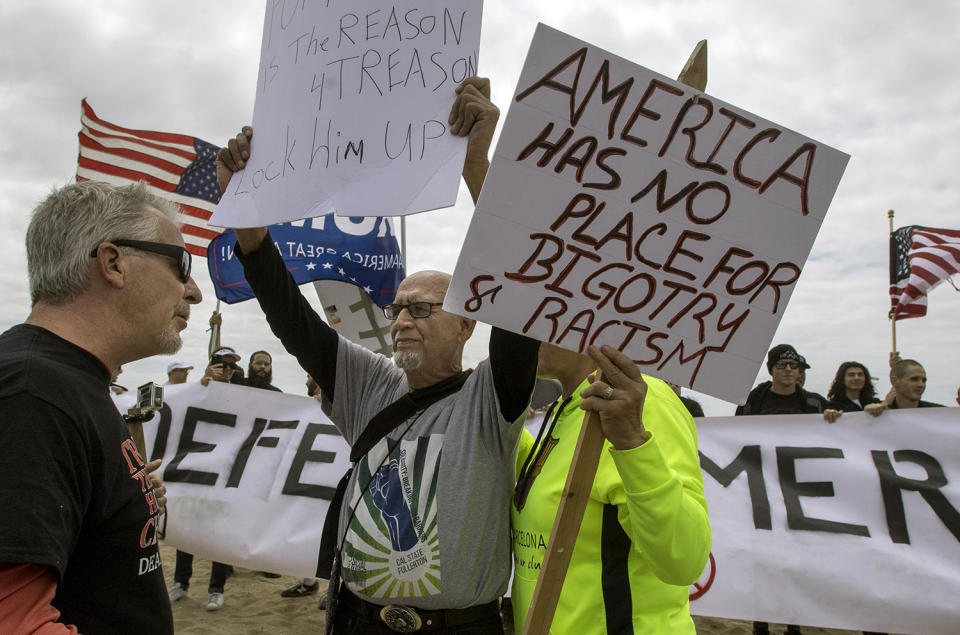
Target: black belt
<point>406,619</point>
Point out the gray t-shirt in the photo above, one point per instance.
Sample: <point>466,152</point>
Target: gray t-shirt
<point>430,527</point>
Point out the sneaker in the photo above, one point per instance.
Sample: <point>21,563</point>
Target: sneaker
<point>177,592</point>
<point>300,590</point>
<point>215,601</point>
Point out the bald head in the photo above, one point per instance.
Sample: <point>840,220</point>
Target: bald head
<point>435,281</point>
<point>428,348</point>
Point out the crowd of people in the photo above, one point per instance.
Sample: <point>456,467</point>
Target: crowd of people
<point>111,283</point>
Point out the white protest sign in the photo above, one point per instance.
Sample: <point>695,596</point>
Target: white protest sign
<point>852,525</point>
<point>351,110</point>
<point>249,474</point>
<point>624,208</point>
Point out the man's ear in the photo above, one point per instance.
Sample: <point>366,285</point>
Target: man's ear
<point>466,329</point>
<point>111,265</point>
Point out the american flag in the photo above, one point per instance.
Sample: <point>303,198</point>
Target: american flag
<point>920,259</point>
<point>177,167</point>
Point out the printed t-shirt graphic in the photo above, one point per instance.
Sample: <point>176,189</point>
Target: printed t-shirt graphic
<point>392,546</point>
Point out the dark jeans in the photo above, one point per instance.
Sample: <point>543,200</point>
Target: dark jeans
<point>348,623</point>
<point>184,570</point>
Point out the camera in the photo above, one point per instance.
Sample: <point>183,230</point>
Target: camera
<point>220,359</point>
<point>150,396</point>
<point>149,400</point>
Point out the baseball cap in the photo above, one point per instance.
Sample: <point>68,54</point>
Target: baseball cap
<point>226,351</point>
<point>172,366</point>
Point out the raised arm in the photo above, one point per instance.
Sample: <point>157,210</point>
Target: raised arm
<point>232,158</point>
<point>513,358</point>
<point>303,333</point>
<point>473,115</point>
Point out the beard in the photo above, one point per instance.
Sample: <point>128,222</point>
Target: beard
<point>259,379</point>
<point>169,341</point>
<point>407,360</point>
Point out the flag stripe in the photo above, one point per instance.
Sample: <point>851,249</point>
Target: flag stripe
<point>179,156</point>
<point>128,174</point>
<point>166,137</point>
<point>130,160</point>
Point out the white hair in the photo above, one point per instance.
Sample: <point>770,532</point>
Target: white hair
<point>73,220</point>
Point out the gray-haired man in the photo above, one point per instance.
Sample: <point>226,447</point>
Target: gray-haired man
<point>110,283</point>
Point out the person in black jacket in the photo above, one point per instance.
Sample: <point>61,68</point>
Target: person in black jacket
<point>260,371</point>
<point>782,395</point>
<point>852,389</point>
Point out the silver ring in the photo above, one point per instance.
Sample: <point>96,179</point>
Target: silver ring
<point>607,393</point>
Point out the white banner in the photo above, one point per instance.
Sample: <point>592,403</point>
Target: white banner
<point>852,525</point>
<point>624,208</point>
<point>351,94</point>
<point>249,474</point>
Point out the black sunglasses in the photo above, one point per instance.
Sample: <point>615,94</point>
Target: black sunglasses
<point>417,310</point>
<point>180,254</point>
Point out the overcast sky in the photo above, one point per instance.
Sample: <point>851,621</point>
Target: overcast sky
<point>875,79</point>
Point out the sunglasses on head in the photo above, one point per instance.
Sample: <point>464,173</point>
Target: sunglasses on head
<point>178,253</point>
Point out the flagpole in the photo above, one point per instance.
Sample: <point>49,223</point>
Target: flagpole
<point>893,316</point>
<point>403,241</point>
<point>214,335</point>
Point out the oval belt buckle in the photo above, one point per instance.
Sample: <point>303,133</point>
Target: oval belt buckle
<point>401,619</point>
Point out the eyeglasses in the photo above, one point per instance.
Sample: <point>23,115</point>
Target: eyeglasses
<point>178,253</point>
<point>417,310</point>
<point>784,365</point>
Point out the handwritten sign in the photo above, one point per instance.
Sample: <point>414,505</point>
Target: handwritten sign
<point>351,110</point>
<point>624,208</point>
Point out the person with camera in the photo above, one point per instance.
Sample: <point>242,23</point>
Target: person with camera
<point>223,367</point>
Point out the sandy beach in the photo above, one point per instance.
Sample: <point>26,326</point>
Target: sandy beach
<point>253,605</point>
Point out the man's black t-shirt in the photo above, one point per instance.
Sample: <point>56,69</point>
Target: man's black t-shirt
<point>73,491</point>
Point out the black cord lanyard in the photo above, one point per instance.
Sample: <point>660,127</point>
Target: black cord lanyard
<point>526,476</point>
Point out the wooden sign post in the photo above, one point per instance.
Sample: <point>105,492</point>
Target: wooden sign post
<point>586,457</point>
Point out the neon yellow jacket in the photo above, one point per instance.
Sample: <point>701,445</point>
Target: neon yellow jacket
<point>645,535</point>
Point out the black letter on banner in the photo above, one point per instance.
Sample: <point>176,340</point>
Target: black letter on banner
<point>306,454</point>
<point>163,433</point>
<point>792,491</point>
<point>239,463</point>
<point>173,473</point>
<point>750,461</point>
<point>891,483</point>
